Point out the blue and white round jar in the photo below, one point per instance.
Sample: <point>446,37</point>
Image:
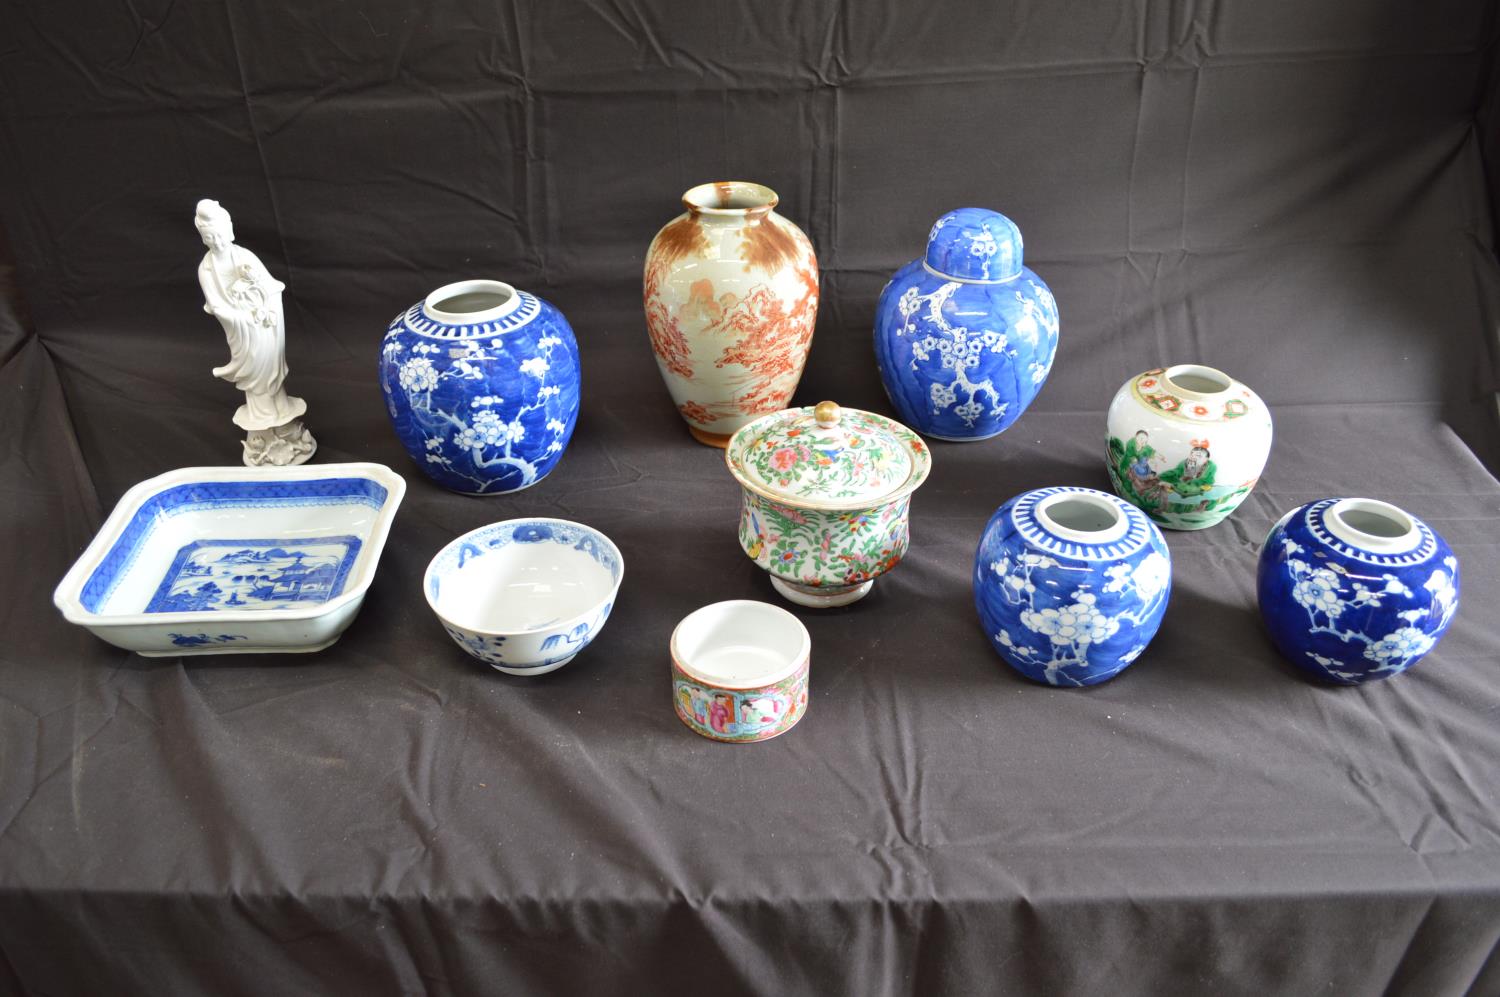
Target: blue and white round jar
<point>1071,584</point>
<point>966,335</point>
<point>1353,590</point>
<point>482,384</point>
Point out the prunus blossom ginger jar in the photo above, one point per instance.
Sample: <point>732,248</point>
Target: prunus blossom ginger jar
<point>965,336</point>
<point>827,492</point>
<point>731,296</point>
<point>1070,584</point>
<point>1353,589</point>
<point>481,382</point>
<point>1186,444</point>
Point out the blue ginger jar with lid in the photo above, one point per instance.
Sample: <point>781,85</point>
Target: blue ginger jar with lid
<point>1354,590</point>
<point>965,336</point>
<point>482,384</point>
<point>1071,584</point>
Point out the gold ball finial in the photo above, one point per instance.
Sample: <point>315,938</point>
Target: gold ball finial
<point>826,414</point>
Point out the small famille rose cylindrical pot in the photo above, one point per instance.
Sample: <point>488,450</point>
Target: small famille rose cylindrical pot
<point>739,670</point>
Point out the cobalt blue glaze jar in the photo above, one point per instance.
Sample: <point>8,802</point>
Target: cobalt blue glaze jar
<point>1352,590</point>
<point>482,385</point>
<point>965,336</point>
<point>1071,584</point>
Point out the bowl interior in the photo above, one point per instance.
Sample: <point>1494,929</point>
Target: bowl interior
<point>238,545</point>
<point>523,575</point>
<point>741,644</point>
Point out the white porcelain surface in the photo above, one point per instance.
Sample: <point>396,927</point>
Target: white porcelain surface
<point>740,644</point>
<point>234,560</point>
<point>525,595</point>
<point>1186,444</point>
<point>240,292</point>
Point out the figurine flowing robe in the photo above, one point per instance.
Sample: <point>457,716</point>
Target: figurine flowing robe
<point>246,299</point>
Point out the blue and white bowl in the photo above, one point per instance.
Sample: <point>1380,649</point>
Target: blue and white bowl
<point>1071,584</point>
<point>966,335</point>
<point>482,385</point>
<point>525,595</point>
<point>1353,590</point>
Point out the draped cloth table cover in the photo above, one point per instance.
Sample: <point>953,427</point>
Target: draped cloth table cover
<point>1298,194</point>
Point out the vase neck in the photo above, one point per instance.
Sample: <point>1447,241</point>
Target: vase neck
<point>730,202</point>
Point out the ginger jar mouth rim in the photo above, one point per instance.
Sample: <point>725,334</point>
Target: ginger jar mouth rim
<point>753,434</point>
<point>1372,525</point>
<point>508,300</point>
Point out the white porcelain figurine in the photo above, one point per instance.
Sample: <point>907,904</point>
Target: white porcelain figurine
<point>246,299</point>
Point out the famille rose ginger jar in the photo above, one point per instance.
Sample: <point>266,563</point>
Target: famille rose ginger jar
<point>965,336</point>
<point>481,381</point>
<point>731,293</point>
<point>826,498</point>
<point>1186,444</point>
<point>1352,590</point>
<point>739,671</point>
<point>1070,584</point>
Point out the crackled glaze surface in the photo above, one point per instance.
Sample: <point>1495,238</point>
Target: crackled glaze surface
<point>1347,613</point>
<point>1186,458</point>
<point>731,298</point>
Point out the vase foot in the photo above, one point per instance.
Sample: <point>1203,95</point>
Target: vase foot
<point>822,596</point>
<point>720,440</point>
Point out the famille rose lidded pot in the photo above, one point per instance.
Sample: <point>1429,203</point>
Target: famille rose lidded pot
<point>966,335</point>
<point>1352,590</point>
<point>1071,584</point>
<point>1186,444</point>
<point>481,381</point>
<point>731,294</point>
<point>827,493</point>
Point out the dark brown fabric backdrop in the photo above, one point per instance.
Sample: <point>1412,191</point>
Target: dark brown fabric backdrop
<point>1292,190</point>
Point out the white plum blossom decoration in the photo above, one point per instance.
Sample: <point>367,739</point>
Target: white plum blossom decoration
<point>418,374</point>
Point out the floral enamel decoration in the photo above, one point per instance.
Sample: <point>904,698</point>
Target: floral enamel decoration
<point>731,298</point>
<point>1355,590</point>
<point>1070,584</point>
<point>966,336</point>
<point>482,385</point>
<point>1186,444</point>
<point>826,498</point>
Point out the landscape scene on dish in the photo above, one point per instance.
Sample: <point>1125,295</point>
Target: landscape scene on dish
<point>254,574</point>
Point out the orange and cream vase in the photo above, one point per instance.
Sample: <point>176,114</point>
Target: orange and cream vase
<point>731,296</point>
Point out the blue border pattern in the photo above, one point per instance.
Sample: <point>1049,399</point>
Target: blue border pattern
<point>1137,535</point>
<point>197,495</point>
<point>529,531</point>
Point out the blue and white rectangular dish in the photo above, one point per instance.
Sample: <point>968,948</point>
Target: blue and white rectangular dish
<point>234,560</point>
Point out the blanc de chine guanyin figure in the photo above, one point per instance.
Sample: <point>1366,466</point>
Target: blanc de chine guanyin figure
<point>246,299</point>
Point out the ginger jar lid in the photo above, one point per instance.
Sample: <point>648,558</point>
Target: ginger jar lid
<point>975,244</point>
<point>826,457</point>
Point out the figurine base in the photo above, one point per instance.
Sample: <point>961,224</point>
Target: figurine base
<point>283,446</point>
<point>823,596</point>
<point>720,440</point>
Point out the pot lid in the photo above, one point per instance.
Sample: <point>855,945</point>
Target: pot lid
<point>827,457</point>
<point>976,245</point>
